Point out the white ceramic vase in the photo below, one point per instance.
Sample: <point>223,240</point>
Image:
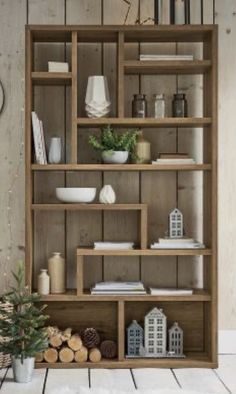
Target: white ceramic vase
<point>43,282</point>
<point>97,100</point>
<point>115,157</point>
<point>107,195</point>
<point>55,150</point>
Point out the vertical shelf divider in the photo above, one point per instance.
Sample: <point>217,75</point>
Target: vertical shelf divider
<point>80,275</point>
<point>74,133</point>
<point>121,330</point>
<point>120,75</point>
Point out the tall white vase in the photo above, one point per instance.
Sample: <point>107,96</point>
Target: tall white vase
<point>55,150</point>
<point>97,100</point>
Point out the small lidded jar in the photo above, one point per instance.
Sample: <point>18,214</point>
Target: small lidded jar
<point>179,106</point>
<point>158,106</point>
<point>139,106</point>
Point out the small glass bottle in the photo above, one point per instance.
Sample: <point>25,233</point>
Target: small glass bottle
<point>158,106</point>
<point>43,282</point>
<point>139,106</point>
<point>179,106</point>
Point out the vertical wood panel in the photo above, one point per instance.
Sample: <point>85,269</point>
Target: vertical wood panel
<point>158,189</point>
<point>117,225</point>
<point>49,104</point>
<point>12,61</point>
<point>83,228</point>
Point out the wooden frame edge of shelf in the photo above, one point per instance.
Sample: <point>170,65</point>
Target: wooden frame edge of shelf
<point>146,122</point>
<point>144,252</point>
<point>120,167</point>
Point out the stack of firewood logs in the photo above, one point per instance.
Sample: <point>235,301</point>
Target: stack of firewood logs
<point>66,346</point>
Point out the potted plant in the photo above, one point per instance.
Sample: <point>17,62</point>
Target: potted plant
<point>115,147</point>
<point>22,327</point>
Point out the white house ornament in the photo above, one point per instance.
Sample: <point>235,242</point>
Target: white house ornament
<point>176,339</point>
<point>107,195</point>
<point>176,224</point>
<point>134,339</point>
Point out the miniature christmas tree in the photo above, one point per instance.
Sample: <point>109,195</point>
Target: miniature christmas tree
<point>22,325</point>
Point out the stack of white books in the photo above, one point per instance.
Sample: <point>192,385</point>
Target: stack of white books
<point>39,141</point>
<point>177,243</point>
<point>174,158</point>
<point>58,67</point>
<point>113,245</point>
<point>170,291</point>
<point>118,288</point>
<point>166,57</point>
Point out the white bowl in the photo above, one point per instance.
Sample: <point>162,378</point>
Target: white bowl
<point>76,194</point>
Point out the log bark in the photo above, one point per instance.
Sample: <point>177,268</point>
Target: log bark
<point>66,355</point>
<point>95,355</point>
<point>66,334</point>
<point>51,355</point>
<point>81,356</point>
<point>75,342</point>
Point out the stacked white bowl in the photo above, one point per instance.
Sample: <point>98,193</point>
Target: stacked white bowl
<point>97,101</point>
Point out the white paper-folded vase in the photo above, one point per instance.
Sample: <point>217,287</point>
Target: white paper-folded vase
<point>97,91</point>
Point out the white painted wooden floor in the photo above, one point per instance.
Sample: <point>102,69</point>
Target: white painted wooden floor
<point>220,381</point>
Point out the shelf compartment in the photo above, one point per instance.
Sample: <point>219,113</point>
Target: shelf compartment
<point>166,67</point>
<point>70,295</point>
<point>51,78</point>
<point>144,252</point>
<point>145,122</point>
<point>120,167</point>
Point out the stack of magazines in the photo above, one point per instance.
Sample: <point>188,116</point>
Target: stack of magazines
<point>177,243</point>
<point>170,291</point>
<point>118,288</point>
<point>174,158</point>
<point>113,245</point>
<point>166,57</point>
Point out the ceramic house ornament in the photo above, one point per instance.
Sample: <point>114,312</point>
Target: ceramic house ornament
<point>155,333</point>
<point>176,224</point>
<point>176,337</point>
<point>134,339</point>
<point>107,195</point>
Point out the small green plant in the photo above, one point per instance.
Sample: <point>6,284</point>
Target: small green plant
<point>22,324</point>
<point>111,140</point>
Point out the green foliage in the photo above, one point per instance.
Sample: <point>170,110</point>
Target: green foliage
<point>112,141</point>
<point>22,325</point>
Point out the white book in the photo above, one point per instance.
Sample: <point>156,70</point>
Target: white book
<point>119,292</point>
<point>176,240</point>
<point>43,142</point>
<point>58,67</point>
<point>196,245</point>
<point>170,291</point>
<point>119,286</point>
<point>113,245</point>
<point>174,161</point>
<point>167,57</point>
<point>38,146</point>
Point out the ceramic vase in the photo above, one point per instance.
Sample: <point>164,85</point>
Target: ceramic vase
<point>43,282</point>
<point>115,157</point>
<point>142,150</point>
<point>55,150</point>
<point>22,372</point>
<point>97,100</point>
<point>57,273</point>
<point>107,195</point>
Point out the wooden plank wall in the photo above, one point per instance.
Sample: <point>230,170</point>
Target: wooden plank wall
<point>163,193</point>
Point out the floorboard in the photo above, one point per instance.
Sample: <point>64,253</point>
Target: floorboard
<point>34,387</point>
<point>70,378</point>
<point>227,371</point>
<point>112,378</point>
<point>151,378</point>
<point>202,380</point>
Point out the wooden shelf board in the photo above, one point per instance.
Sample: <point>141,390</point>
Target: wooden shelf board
<point>51,78</point>
<point>89,207</point>
<point>120,167</point>
<point>58,33</point>
<point>166,67</point>
<point>70,295</point>
<point>197,360</point>
<point>145,122</point>
<point>144,252</point>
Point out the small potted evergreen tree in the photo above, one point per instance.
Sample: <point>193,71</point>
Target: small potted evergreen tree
<point>22,327</point>
<point>115,147</point>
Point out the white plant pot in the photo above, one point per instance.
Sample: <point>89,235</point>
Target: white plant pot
<point>23,372</point>
<point>115,157</point>
<point>97,98</point>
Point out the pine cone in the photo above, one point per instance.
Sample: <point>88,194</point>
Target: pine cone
<point>108,349</point>
<point>90,338</point>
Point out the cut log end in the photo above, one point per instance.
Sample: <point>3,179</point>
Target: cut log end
<point>51,355</point>
<point>95,355</point>
<point>66,355</point>
<point>81,356</point>
<point>75,342</point>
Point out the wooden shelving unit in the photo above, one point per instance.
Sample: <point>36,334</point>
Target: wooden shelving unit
<point>50,224</point>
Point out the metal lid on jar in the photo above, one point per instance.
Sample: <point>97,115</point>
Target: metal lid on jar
<point>160,96</point>
<point>179,96</point>
<point>139,96</point>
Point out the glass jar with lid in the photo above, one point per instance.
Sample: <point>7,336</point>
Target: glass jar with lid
<point>158,106</point>
<point>179,106</point>
<point>139,106</point>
